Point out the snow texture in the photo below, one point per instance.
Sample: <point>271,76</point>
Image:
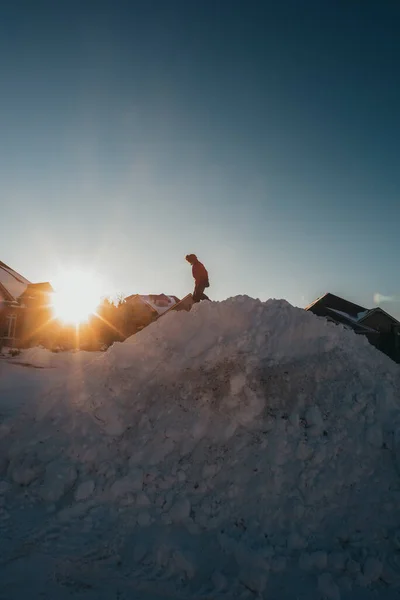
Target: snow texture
<point>241,450</point>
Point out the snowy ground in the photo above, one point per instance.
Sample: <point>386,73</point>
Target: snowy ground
<point>25,377</point>
<point>241,450</point>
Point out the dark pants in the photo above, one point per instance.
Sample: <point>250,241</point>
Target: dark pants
<point>198,293</point>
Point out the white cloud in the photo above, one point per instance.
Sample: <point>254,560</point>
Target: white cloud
<point>378,298</point>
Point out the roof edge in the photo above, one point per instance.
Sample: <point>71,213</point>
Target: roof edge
<point>315,301</point>
<point>376,309</point>
<point>7,294</point>
<point>339,298</point>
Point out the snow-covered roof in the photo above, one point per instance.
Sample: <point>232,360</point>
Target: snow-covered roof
<point>342,314</point>
<point>185,304</point>
<point>350,307</point>
<point>354,320</point>
<point>12,282</point>
<point>362,314</point>
<point>160,303</point>
<point>352,312</point>
<point>367,313</point>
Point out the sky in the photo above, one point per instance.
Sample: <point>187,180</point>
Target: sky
<point>262,136</point>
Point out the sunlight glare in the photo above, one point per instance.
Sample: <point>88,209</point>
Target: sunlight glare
<point>77,296</point>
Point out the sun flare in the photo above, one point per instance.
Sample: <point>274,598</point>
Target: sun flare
<point>77,296</point>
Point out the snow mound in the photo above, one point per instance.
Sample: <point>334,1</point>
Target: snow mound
<point>237,450</point>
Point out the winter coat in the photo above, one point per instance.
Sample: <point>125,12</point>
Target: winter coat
<point>200,274</point>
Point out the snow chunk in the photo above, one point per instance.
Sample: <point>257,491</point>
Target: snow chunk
<point>254,579</point>
<point>144,519</point>
<point>296,542</point>
<point>84,490</point>
<point>374,435</point>
<point>319,559</point>
<point>180,510</point>
<point>337,561</point>
<point>25,474</point>
<point>328,587</point>
<point>4,487</point>
<point>372,569</point>
<point>132,482</point>
<point>142,500</point>
<point>59,479</point>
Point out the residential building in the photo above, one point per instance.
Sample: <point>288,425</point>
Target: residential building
<point>148,308</point>
<point>24,309</point>
<point>381,328</point>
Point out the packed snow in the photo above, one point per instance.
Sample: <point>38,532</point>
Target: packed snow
<point>241,450</point>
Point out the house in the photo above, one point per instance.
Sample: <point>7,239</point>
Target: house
<point>12,285</point>
<point>37,314</point>
<point>185,304</point>
<point>381,329</point>
<point>148,308</point>
<point>24,308</point>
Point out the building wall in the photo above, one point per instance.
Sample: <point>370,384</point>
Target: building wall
<point>141,313</point>
<point>379,321</point>
<point>384,338</point>
<point>36,322</point>
<point>37,326</point>
<point>9,325</point>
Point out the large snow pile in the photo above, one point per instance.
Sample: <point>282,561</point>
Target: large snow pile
<point>241,449</point>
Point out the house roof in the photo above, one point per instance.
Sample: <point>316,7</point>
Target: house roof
<point>349,308</point>
<point>5,294</point>
<point>368,313</point>
<point>353,321</point>
<point>353,313</point>
<point>41,288</point>
<point>315,301</point>
<point>158,303</point>
<point>12,282</point>
<point>184,304</point>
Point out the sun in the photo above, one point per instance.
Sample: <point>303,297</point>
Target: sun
<point>76,297</point>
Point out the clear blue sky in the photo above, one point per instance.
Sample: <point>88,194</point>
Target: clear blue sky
<point>261,135</point>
